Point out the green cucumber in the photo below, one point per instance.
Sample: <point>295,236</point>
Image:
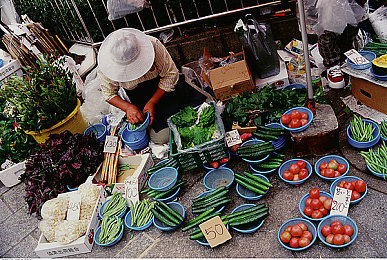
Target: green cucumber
<point>199,234</point>
<point>252,150</point>
<point>163,194</point>
<point>199,221</point>
<point>256,178</point>
<point>249,219</point>
<point>209,204</point>
<point>162,218</point>
<point>170,210</point>
<point>259,153</point>
<point>271,129</point>
<point>219,204</point>
<point>167,215</point>
<point>265,136</point>
<point>208,212</point>
<point>253,146</point>
<point>267,166</point>
<point>248,215</point>
<point>251,182</point>
<point>245,211</point>
<point>250,187</point>
<point>272,133</point>
<point>208,200</point>
<point>210,194</point>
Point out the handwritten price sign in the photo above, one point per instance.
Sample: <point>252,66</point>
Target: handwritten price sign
<point>355,57</point>
<point>215,231</point>
<point>341,200</point>
<point>110,144</point>
<point>74,207</point>
<point>131,190</point>
<point>232,138</point>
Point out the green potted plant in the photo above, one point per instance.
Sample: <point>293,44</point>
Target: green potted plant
<point>44,100</point>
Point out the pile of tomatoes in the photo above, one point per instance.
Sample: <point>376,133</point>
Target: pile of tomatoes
<point>357,187</point>
<point>332,169</point>
<point>296,171</point>
<point>295,119</point>
<point>317,206</point>
<point>296,235</point>
<point>336,233</point>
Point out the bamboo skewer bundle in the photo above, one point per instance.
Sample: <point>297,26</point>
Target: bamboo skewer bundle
<point>109,166</point>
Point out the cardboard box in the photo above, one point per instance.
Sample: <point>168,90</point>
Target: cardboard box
<point>229,80</point>
<point>11,68</point>
<point>84,244</point>
<point>10,176</point>
<point>370,94</point>
<point>241,129</point>
<point>280,80</point>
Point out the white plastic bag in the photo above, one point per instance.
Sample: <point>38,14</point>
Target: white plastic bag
<point>378,20</point>
<point>119,8</point>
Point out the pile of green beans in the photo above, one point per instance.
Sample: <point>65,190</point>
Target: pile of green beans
<point>383,128</point>
<point>360,130</point>
<point>115,206</point>
<point>377,161</point>
<point>141,212</point>
<point>376,47</point>
<point>110,229</point>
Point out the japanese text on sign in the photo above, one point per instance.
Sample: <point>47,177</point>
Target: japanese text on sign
<point>215,231</point>
<point>341,200</point>
<point>355,57</point>
<point>131,190</point>
<point>110,144</point>
<point>74,207</point>
<point>233,138</point>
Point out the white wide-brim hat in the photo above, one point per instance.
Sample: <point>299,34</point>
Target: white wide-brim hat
<point>125,55</point>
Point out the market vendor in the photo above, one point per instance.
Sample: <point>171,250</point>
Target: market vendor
<point>142,66</point>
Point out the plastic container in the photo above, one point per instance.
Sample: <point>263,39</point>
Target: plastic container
<point>369,55</point>
<point>345,221</point>
<point>379,77</point>
<point>294,86</point>
<point>285,166</point>
<point>122,214</point>
<point>71,189</point>
<point>302,128</point>
<point>142,127</point>
<point>253,227</point>
<point>176,207</point>
<point>248,194</point>
<point>218,177</point>
<point>362,145</point>
<point>302,206</point>
<point>292,222</point>
<point>218,209</point>
<point>377,174</point>
<point>208,167</point>
<point>170,198</point>
<point>98,130</point>
<point>135,140</point>
<point>350,179</point>
<point>112,243</point>
<point>128,223</point>
<point>281,139</point>
<point>327,159</point>
<point>163,179</point>
<point>250,142</point>
<point>269,172</point>
<point>203,240</point>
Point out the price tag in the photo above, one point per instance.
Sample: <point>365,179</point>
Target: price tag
<point>356,57</point>
<point>341,200</point>
<point>215,231</point>
<point>74,207</point>
<point>110,144</point>
<point>131,190</point>
<point>233,138</point>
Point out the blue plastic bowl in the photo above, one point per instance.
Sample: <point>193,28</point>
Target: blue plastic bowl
<point>112,243</point>
<point>362,145</point>
<point>71,189</point>
<point>285,166</point>
<point>128,223</point>
<point>377,174</point>
<point>281,139</point>
<point>302,206</point>
<point>302,128</point>
<point>379,77</point>
<point>218,177</point>
<point>345,221</point>
<point>248,194</point>
<point>250,142</point>
<point>208,167</point>
<point>369,55</point>
<point>292,222</point>
<point>294,86</point>
<point>218,209</point>
<point>252,228</point>
<point>350,179</point>
<point>135,140</point>
<point>176,207</point>
<point>170,198</point>
<point>382,137</point>
<point>122,214</point>
<point>142,127</point>
<point>203,240</point>
<point>98,130</point>
<point>269,172</point>
<point>327,159</point>
<point>163,179</point>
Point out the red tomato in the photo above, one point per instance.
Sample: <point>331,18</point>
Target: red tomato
<point>303,242</point>
<point>341,185</point>
<point>234,148</point>
<point>304,115</point>
<point>333,165</point>
<point>347,239</point>
<point>314,193</point>
<point>336,174</point>
<point>323,165</point>
<point>294,168</point>
<point>303,173</point>
<point>329,173</point>
<point>348,230</point>
<point>295,114</point>
<point>307,202</point>
<point>336,223</point>
<point>326,230</point>
<point>308,211</point>
<point>322,199</point>
<point>348,186</point>
<point>224,160</point>
<point>288,229</point>
<point>301,164</point>
<point>329,238</point>
<point>338,239</point>
<point>322,172</point>
<point>214,165</point>
<point>303,226</point>
<point>285,237</point>
<point>246,136</point>
<point>307,234</point>
<point>355,195</point>
<point>303,121</point>
<point>328,204</point>
<point>294,242</point>
<point>360,186</point>
<point>285,119</point>
<point>296,231</point>
<point>315,204</point>
<point>295,123</point>
<point>317,214</point>
<point>288,176</point>
<point>296,177</point>
<point>341,168</point>
<point>323,210</point>
<point>337,229</point>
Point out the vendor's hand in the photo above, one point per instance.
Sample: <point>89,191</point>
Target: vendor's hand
<point>134,115</point>
<point>150,108</point>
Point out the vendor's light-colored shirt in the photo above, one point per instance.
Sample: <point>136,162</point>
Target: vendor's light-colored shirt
<point>163,66</point>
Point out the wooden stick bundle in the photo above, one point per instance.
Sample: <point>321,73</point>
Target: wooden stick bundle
<point>109,166</point>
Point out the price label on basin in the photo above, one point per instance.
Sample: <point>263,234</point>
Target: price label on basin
<point>131,190</point>
<point>110,144</point>
<point>341,200</point>
<point>232,138</point>
<point>74,207</point>
<point>356,57</point>
<point>215,231</point>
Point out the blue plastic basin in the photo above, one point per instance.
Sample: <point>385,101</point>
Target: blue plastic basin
<point>285,166</point>
<point>218,177</point>
<point>327,159</point>
<point>302,206</point>
<point>163,179</point>
<point>345,221</point>
<point>176,207</point>
<point>369,55</point>
<point>112,243</point>
<point>98,130</point>
<point>292,222</point>
<point>350,179</point>
<point>135,139</point>
<point>302,128</point>
<point>248,194</point>
<point>128,223</point>
<point>251,228</point>
<point>362,145</point>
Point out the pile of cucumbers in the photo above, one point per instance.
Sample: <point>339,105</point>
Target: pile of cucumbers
<point>214,199</point>
<point>253,183</point>
<point>166,214</point>
<point>273,162</point>
<point>245,218</point>
<point>267,133</point>
<point>163,194</point>
<point>255,151</point>
<point>167,163</point>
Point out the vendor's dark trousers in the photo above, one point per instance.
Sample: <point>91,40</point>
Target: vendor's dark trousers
<point>332,46</point>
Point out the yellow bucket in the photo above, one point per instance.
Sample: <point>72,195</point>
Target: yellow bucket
<point>73,122</point>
